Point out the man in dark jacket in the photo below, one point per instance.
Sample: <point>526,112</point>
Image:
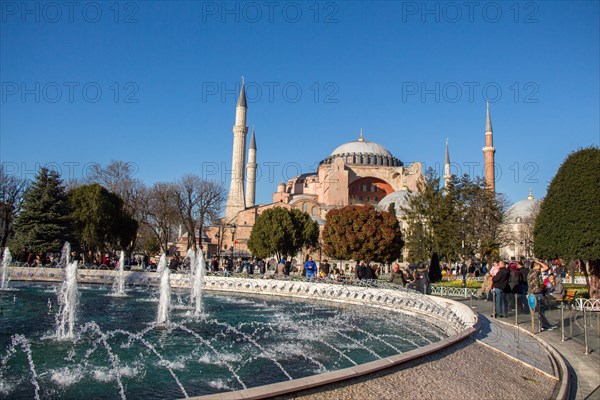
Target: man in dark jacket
<point>500,283</point>
<point>362,271</point>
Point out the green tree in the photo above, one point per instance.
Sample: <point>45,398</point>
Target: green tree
<point>43,224</point>
<point>283,233</point>
<point>481,215</point>
<point>567,223</point>
<point>100,219</point>
<point>459,221</point>
<point>362,233</point>
<point>432,217</point>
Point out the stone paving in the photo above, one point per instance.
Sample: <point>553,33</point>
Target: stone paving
<point>468,370</point>
<point>500,362</point>
<point>584,369</point>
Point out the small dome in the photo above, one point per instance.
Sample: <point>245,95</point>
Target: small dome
<point>399,198</point>
<point>521,210</point>
<point>318,220</point>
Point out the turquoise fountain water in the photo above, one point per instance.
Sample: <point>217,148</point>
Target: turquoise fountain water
<point>116,346</point>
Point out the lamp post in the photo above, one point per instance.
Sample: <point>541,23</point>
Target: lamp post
<point>233,229</point>
<point>421,243</point>
<point>464,256</point>
<point>218,236</point>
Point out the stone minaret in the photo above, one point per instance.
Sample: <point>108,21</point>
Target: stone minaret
<point>235,200</point>
<point>447,174</point>
<point>251,172</point>
<point>488,152</point>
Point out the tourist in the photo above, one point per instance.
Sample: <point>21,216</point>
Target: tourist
<point>311,269</point>
<point>501,287</point>
<point>281,272</point>
<point>262,266</point>
<point>397,277</point>
<point>375,270</point>
<point>228,266</point>
<point>324,270</point>
<point>535,287</point>
<point>559,290</point>
<point>486,287</point>
<point>174,264</point>
<point>214,265</point>
<point>521,288</point>
<point>422,279</point>
<point>362,271</point>
<point>409,278</point>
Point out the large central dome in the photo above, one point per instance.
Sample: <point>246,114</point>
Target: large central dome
<point>361,147</point>
<point>363,152</point>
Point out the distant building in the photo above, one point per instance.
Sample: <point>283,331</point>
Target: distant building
<point>520,220</point>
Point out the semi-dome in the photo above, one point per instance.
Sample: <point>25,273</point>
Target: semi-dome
<point>363,152</point>
<point>522,209</point>
<point>399,198</point>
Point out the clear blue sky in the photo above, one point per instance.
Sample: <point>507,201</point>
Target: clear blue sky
<point>409,74</point>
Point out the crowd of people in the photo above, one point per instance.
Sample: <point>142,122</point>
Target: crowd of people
<point>509,284</point>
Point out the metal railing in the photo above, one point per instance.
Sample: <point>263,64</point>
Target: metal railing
<point>446,291</point>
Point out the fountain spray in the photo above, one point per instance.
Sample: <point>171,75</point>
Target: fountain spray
<point>164,301</point>
<point>119,285</point>
<point>68,296</point>
<point>6,259</point>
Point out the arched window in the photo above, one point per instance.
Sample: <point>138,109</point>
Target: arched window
<point>304,207</point>
<point>519,220</point>
<point>314,211</point>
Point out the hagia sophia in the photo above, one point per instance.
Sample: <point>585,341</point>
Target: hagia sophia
<point>356,172</point>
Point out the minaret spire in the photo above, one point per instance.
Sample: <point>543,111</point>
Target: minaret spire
<point>488,153</point>
<point>242,99</point>
<point>235,200</point>
<point>488,120</point>
<point>251,172</point>
<point>447,174</point>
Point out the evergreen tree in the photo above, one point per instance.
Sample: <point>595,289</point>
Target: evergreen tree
<point>567,224</point>
<point>460,221</point>
<point>100,219</point>
<point>433,220</point>
<point>43,225</point>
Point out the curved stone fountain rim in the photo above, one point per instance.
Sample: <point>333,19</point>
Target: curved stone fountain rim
<point>466,316</point>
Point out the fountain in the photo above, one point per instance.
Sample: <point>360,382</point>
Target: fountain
<point>68,295</point>
<point>6,259</point>
<point>119,284</point>
<point>242,333</point>
<point>198,269</point>
<point>164,300</point>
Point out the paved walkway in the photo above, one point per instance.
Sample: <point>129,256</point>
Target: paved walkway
<point>503,361</point>
<point>584,368</point>
<point>467,371</point>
